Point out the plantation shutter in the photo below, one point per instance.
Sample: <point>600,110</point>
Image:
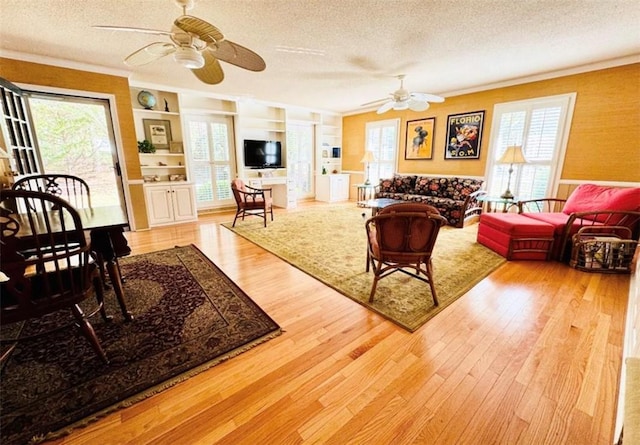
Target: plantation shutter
<point>300,148</point>
<point>210,159</point>
<point>382,140</point>
<point>539,126</point>
<point>18,129</point>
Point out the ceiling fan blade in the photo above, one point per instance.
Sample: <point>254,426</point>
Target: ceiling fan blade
<point>386,107</point>
<point>427,97</point>
<point>237,55</point>
<point>149,53</point>
<point>211,73</point>
<point>418,105</point>
<point>204,30</point>
<point>129,29</point>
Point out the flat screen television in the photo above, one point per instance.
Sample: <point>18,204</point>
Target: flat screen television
<point>262,154</point>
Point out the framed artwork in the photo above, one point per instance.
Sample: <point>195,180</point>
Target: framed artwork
<point>158,132</point>
<point>176,147</point>
<point>420,139</point>
<point>464,133</point>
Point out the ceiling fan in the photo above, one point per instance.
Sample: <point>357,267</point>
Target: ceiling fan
<point>402,99</point>
<point>195,44</point>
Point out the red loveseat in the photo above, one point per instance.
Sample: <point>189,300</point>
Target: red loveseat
<point>589,205</point>
<point>543,228</point>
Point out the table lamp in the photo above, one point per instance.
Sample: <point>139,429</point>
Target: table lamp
<point>512,155</point>
<point>367,159</point>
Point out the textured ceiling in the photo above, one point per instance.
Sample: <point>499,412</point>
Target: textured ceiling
<point>351,49</point>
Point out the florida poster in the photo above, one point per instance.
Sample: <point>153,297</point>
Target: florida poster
<point>464,133</point>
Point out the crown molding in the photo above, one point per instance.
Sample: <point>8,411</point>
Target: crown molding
<point>611,63</point>
<point>62,63</point>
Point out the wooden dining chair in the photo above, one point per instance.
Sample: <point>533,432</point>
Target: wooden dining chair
<point>77,192</point>
<point>47,279</point>
<point>400,238</point>
<point>251,201</point>
<point>71,188</point>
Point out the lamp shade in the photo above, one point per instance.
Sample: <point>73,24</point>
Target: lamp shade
<point>512,155</point>
<point>368,157</point>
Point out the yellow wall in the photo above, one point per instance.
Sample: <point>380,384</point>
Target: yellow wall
<point>20,72</point>
<point>602,144</point>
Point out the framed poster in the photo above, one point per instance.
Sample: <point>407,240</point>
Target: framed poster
<point>158,132</point>
<point>464,133</point>
<point>419,143</point>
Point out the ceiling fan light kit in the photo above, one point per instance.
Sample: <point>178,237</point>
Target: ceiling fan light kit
<point>188,57</point>
<point>196,45</point>
<point>403,99</point>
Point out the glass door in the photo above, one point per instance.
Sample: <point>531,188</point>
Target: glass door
<point>75,137</point>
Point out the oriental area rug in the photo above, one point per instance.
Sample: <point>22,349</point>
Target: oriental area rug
<point>329,243</point>
<point>188,317</point>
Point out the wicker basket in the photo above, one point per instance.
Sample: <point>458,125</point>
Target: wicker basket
<point>602,252</point>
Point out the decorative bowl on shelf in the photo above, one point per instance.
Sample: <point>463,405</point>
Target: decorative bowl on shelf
<point>146,99</point>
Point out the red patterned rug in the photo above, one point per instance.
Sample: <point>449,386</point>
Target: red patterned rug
<point>188,316</point>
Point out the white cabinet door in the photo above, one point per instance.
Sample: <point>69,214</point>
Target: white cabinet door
<point>159,205</point>
<point>184,204</point>
<point>331,188</point>
<point>170,203</point>
<point>340,187</point>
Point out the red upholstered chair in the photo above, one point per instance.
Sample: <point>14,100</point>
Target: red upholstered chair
<point>401,238</point>
<point>251,201</point>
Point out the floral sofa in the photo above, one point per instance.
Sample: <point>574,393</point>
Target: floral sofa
<point>455,198</point>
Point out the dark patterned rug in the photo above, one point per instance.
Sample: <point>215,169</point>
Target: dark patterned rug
<point>188,316</point>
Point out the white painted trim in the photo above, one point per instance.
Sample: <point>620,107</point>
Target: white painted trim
<point>603,183</point>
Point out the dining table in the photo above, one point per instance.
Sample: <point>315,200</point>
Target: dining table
<point>106,226</point>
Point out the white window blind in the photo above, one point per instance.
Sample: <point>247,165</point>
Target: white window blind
<point>210,159</point>
<point>539,126</point>
<point>382,140</point>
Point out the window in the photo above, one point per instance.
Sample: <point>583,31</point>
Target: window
<point>211,157</point>
<point>541,127</point>
<point>300,151</point>
<point>382,140</point>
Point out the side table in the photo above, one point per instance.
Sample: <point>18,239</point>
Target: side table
<point>491,203</point>
<point>366,192</point>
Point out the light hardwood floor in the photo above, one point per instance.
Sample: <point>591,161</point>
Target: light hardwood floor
<point>531,355</point>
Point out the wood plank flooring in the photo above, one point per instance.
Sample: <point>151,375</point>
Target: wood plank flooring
<point>531,355</point>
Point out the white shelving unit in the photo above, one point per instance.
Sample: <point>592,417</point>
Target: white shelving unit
<point>330,141</point>
<point>169,197</point>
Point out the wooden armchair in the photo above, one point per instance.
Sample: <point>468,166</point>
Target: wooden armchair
<point>48,279</point>
<point>251,201</point>
<point>401,238</point>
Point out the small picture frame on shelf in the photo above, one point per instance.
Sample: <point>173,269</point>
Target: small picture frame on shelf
<point>176,147</point>
<point>157,131</point>
<point>336,152</point>
<point>325,153</point>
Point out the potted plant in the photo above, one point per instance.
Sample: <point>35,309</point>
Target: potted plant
<point>146,147</point>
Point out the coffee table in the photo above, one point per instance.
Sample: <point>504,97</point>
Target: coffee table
<point>376,204</point>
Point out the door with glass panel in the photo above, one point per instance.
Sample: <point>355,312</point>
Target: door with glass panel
<point>211,157</point>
